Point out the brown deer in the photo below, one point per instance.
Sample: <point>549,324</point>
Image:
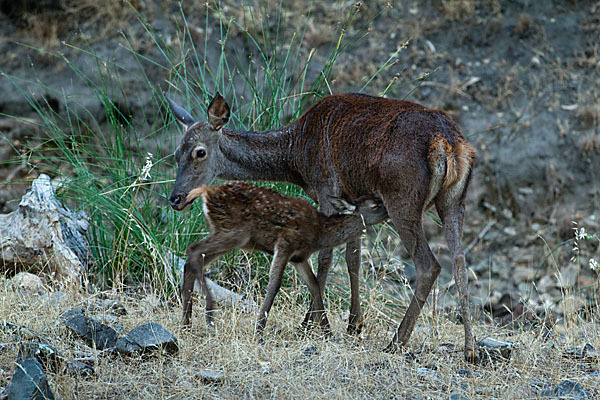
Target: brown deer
<point>242,215</point>
<point>350,145</point>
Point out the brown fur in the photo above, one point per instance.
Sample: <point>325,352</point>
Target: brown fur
<point>242,215</point>
<point>352,145</point>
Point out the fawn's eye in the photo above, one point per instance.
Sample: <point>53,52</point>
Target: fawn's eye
<point>199,153</point>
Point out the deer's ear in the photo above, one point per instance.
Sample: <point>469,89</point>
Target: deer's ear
<point>183,117</point>
<point>218,112</point>
<point>341,206</point>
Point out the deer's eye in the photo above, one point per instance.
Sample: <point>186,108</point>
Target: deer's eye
<point>199,153</point>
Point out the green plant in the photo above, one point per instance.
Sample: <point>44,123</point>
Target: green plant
<point>119,170</point>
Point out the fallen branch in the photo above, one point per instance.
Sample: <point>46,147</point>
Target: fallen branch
<point>44,235</point>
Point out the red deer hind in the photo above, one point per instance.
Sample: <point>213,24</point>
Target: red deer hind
<point>350,145</point>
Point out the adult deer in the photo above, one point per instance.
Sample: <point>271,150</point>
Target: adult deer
<point>242,215</point>
<point>350,145</point>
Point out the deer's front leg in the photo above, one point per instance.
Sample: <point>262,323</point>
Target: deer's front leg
<point>356,320</point>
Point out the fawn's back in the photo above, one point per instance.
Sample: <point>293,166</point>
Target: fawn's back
<point>260,215</point>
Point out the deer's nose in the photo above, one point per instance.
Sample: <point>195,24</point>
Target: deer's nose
<point>175,200</point>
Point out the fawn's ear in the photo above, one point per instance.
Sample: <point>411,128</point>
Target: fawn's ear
<point>218,112</point>
<point>183,117</point>
<point>341,206</point>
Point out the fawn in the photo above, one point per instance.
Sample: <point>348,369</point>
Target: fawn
<point>242,215</point>
<point>350,145</point>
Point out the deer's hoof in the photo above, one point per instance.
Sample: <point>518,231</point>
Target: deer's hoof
<point>355,325</point>
<point>393,347</point>
<point>471,356</point>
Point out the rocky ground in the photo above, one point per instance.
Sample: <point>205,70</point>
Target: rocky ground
<point>522,78</point>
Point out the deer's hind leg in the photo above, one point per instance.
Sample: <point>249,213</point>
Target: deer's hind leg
<point>201,254</point>
<point>406,214</point>
<point>450,205</point>
<point>280,259</point>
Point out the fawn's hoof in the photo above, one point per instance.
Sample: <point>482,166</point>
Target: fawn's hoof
<point>393,347</point>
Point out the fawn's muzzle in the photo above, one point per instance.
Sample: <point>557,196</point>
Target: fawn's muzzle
<point>175,201</point>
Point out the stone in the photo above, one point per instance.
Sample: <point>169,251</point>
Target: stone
<point>51,359</point>
<point>81,369</point>
<point>94,332</point>
<point>106,319</point>
<point>48,357</point>
<point>587,351</point>
<point>309,350</point>
<point>146,338</point>
<point>29,381</point>
<point>567,390</point>
<point>210,376</point>
<point>72,312</point>
<point>458,396</point>
<point>107,306</point>
<point>491,350</point>
<point>28,283</point>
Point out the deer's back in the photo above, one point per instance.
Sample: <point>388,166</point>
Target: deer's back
<point>366,144</point>
<point>263,216</point>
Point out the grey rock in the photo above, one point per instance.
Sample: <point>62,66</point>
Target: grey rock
<point>148,337</point>
<point>468,373</point>
<point>106,318</point>
<point>81,369</point>
<point>587,351</point>
<point>48,357</point>
<point>210,376</point>
<point>491,350</point>
<point>72,312</point>
<point>458,396</point>
<point>54,299</point>
<point>29,382</point>
<point>107,306</point>
<point>427,373</point>
<point>567,390</point>
<point>94,332</point>
<point>309,350</point>
<point>52,360</point>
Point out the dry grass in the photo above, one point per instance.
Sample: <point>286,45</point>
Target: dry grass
<point>292,365</point>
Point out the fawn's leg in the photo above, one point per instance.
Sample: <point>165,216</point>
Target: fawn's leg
<point>280,259</point>
<point>324,264</point>
<point>201,254</point>
<point>323,261</point>
<point>308,277</point>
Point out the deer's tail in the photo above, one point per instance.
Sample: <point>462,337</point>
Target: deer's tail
<point>449,164</point>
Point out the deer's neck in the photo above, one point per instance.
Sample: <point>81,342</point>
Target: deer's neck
<point>338,229</point>
<point>257,155</point>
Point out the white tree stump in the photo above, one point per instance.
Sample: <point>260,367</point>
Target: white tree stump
<point>42,235</point>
